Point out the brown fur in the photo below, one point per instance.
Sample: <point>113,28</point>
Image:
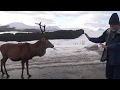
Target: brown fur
<point>23,52</point>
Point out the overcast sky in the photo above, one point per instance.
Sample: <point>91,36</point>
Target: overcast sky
<point>63,19</point>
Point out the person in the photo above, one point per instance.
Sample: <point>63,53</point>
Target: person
<point>110,41</point>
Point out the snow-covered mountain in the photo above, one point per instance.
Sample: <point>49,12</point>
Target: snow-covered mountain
<point>100,29</point>
<point>22,26</point>
<point>19,25</point>
<point>53,28</point>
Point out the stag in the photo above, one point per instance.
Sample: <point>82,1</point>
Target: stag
<point>24,52</point>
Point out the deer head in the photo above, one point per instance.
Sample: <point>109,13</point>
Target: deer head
<point>47,43</point>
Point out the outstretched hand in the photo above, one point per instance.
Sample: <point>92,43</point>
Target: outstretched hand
<point>87,36</point>
<point>103,46</point>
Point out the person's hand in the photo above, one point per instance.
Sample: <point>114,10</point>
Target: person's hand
<point>103,46</point>
<point>87,36</point>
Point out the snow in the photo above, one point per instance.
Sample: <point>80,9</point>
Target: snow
<point>70,46</point>
<point>66,51</point>
<point>14,32</point>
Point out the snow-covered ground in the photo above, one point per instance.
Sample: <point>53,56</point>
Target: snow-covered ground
<point>66,52</point>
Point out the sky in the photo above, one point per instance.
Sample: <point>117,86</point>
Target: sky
<point>63,19</point>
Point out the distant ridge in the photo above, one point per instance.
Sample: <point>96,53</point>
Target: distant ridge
<point>18,26</point>
<point>22,26</point>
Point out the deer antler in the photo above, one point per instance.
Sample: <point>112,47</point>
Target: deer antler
<point>44,27</point>
<point>43,31</point>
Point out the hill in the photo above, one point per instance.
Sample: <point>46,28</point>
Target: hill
<point>62,34</point>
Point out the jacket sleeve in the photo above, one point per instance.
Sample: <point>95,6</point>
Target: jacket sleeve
<point>114,47</point>
<point>100,39</point>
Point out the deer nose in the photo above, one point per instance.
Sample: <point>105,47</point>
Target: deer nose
<point>53,46</point>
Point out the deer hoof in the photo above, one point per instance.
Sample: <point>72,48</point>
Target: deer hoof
<point>22,77</point>
<point>8,75</point>
<point>29,75</point>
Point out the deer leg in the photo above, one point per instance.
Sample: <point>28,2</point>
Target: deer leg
<point>27,65</point>
<point>2,66</point>
<point>4,62</point>
<point>22,68</point>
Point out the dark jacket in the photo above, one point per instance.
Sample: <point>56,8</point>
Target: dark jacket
<point>113,57</point>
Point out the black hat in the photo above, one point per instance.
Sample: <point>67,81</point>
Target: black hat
<point>114,19</point>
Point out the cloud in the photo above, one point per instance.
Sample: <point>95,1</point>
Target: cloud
<point>65,19</point>
<point>26,12</point>
<point>92,20</point>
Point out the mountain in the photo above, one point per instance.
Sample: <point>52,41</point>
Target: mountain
<point>100,29</point>
<point>22,26</point>
<point>27,28</point>
<point>87,30</point>
<point>75,28</point>
<point>53,28</point>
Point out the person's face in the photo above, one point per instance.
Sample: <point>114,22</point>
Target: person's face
<point>114,27</point>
